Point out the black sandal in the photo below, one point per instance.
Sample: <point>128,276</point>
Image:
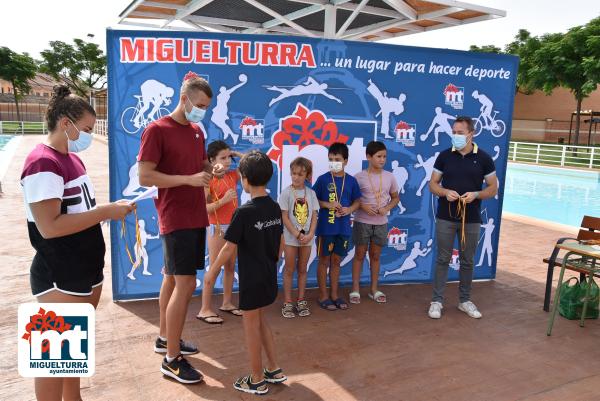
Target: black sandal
<point>245,384</point>
<point>271,376</point>
<point>341,303</point>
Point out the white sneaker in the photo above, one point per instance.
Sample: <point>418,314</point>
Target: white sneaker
<point>470,309</point>
<point>435,310</point>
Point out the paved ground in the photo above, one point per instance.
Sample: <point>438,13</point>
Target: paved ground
<point>371,352</point>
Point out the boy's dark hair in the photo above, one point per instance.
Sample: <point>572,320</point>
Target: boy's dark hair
<point>303,163</point>
<point>338,148</point>
<point>213,149</point>
<point>65,104</point>
<point>374,147</point>
<point>468,120</point>
<point>257,168</point>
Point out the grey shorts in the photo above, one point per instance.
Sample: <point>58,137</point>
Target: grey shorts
<point>212,229</point>
<point>363,234</point>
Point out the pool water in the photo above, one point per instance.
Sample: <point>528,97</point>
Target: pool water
<point>558,195</point>
<point>8,146</point>
<point>4,139</point>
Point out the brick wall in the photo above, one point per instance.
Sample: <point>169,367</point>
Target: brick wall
<point>541,118</point>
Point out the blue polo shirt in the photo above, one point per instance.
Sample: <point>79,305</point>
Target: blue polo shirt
<point>328,223</point>
<point>463,174</point>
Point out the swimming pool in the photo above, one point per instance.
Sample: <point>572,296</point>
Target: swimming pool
<point>4,140</point>
<point>8,146</point>
<point>558,195</point>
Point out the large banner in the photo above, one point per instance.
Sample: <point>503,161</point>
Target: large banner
<point>290,97</point>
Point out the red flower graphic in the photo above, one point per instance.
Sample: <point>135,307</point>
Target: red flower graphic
<point>44,321</point>
<point>451,88</point>
<point>190,75</point>
<point>394,231</point>
<point>247,121</point>
<point>402,125</point>
<point>303,128</point>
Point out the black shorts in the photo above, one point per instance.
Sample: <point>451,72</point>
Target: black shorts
<point>257,285</point>
<point>44,280</point>
<point>184,251</point>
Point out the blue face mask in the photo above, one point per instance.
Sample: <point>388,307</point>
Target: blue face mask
<point>80,144</point>
<point>459,141</point>
<point>195,115</point>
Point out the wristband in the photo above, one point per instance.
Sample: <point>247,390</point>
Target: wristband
<point>476,194</point>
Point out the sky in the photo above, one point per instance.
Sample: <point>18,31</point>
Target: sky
<point>24,30</point>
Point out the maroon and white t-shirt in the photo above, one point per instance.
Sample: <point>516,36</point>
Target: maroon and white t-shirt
<point>49,174</point>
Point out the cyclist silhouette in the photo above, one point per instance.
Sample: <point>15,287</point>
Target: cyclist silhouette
<point>486,107</point>
<point>153,93</point>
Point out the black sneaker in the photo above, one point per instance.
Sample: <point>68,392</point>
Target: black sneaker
<point>245,384</point>
<point>181,370</point>
<point>160,347</point>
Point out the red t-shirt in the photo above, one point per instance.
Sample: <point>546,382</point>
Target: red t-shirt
<point>176,149</point>
<point>218,187</point>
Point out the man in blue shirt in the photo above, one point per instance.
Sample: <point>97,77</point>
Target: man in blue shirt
<point>339,195</point>
<point>457,178</point>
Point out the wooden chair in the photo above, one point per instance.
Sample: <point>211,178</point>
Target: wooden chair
<point>590,230</point>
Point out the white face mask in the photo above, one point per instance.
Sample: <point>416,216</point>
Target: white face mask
<point>195,115</point>
<point>336,167</point>
<point>82,143</point>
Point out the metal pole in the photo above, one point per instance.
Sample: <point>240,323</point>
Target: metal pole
<point>330,21</point>
<point>592,158</point>
<point>562,156</point>
<point>515,151</point>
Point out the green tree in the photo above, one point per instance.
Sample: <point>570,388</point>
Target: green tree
<point>560,60</point>
<point>82,66</point>
<point>524,46</point>
<point>485,49</point>
<point>591,63</point>
<point>17,69</point>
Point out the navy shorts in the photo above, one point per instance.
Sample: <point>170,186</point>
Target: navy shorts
<point>329,244</point>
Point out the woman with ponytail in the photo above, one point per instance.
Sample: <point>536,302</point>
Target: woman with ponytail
<point>63,219</point>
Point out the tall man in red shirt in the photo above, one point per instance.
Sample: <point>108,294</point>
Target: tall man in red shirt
<point>173,158</point>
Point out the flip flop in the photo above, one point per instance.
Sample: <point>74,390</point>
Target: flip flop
<point>341,303</point>
<point>377,297</point>
<point>354,297</point>
<point>234,311</point>
<point>326,304</point>
<point>206,320</point>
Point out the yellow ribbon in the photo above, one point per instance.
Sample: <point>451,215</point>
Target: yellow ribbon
<point>461,212</point>
<point>378,195</point>
<point>138,240</point>
<point>338,199</point>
